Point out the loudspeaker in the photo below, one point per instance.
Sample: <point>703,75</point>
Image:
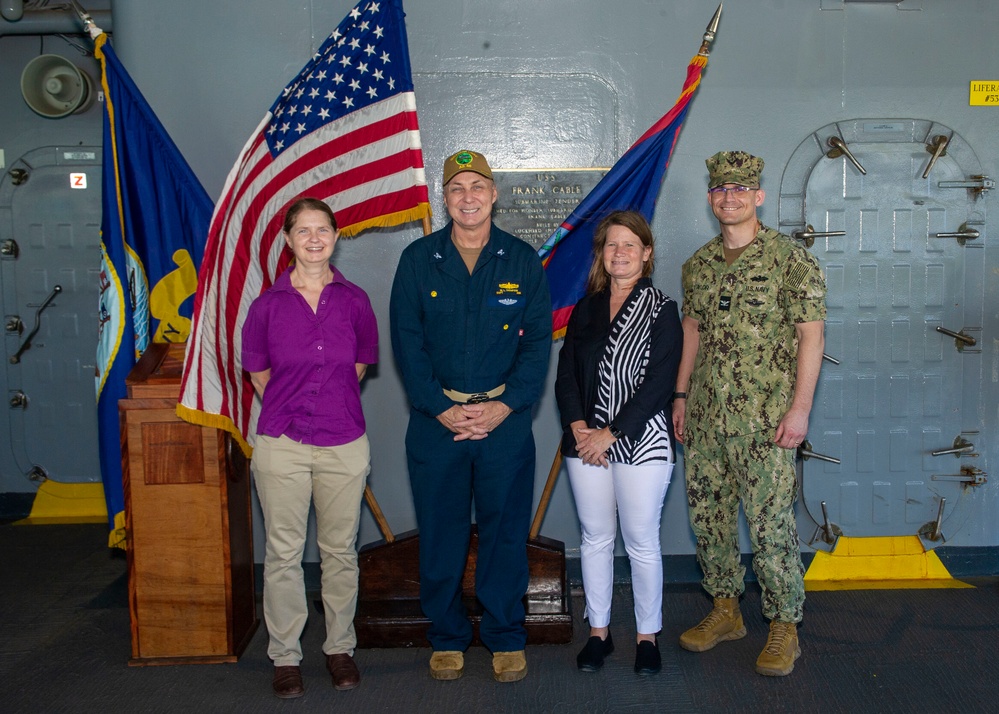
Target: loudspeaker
<point>54,87</point>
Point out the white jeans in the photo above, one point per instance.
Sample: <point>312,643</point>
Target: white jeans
<point>637,494</point>
<point>289,477</point>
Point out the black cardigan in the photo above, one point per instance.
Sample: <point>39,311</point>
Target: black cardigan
<point>585,340</point>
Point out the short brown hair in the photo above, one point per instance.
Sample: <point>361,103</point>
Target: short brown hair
<point>634,222</point>
<point>306,203</point>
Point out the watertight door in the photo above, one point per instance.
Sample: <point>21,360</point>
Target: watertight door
<point>899,389</point>
<point>50,202</point>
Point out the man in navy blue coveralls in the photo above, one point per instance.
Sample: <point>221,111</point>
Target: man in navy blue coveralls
<point>471,333</point>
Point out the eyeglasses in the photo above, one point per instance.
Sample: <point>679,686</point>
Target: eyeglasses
<point>731,189</point>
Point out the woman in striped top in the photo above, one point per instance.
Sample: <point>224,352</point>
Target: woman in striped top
<point>616,374</point>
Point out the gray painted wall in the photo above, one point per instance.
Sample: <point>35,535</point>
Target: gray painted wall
<point>492,76</point>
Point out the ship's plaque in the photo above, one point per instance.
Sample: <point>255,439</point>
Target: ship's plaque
<point>533,202</point>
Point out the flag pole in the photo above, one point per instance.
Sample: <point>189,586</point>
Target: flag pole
<point>546,494</point>
<point>88,22</point>
<point>369,495</point>
<point>376,511</point>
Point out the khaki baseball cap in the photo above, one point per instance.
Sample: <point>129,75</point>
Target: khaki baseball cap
<point>736,167</point>
<point>466,160</point>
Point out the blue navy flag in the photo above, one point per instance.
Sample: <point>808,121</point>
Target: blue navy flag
<point>153,229</point>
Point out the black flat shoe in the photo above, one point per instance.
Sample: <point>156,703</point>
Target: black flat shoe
<point>591,657</point>
<point>647,659</point>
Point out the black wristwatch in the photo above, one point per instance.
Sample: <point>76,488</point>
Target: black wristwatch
<point>615,432</point>
<point>679,395</point>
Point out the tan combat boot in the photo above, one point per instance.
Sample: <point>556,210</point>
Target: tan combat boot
<point>724,622</point>
<point>777,658</point>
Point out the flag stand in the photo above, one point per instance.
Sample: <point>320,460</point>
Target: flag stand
<point>388,603</point>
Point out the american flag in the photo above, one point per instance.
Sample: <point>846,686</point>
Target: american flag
<point>345,131</point>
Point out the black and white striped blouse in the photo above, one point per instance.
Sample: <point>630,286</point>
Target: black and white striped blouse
<point>622,371</point>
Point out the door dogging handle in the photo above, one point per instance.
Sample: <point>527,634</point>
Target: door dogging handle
<point>938,148</point>
<point>961,340</point>
<point>809,235</point>
<point>26,345</point>
<point>839,148</point>
<point>934,529</point>
<point>963,234</point>
<point>961,447</point>
<point>969,475</point>
<point>806,453</point>
<point>38,474</point>
<point>827,528</point>
<point>978,185</point>
<point>829,359</point>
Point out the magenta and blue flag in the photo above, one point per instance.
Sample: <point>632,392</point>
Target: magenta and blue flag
<point>632,184</point>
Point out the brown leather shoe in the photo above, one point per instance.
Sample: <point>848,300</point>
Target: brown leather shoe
<point>343,670</point>
<point>288,682</point>
<point>509,666</point>
<point>446,665</point>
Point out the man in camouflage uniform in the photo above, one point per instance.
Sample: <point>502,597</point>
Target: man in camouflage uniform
<point>754,306</point>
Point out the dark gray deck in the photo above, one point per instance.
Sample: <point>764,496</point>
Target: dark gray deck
<point>64,645</point>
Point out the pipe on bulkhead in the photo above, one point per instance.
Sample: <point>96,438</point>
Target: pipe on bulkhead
<point>61,21</point>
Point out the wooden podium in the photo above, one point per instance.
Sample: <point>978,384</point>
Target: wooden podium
<point>188,522</point>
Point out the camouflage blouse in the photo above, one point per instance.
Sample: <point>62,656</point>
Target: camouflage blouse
<point>743,379</point>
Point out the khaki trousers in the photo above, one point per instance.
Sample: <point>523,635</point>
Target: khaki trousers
<point>289,477</point>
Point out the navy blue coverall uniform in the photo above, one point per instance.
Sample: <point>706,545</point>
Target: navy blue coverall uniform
<point>472,333</point>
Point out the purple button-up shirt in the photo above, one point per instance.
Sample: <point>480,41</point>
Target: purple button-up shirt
<point>313,395</point>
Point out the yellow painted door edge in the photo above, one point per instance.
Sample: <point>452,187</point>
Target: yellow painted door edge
<point>881,563</point>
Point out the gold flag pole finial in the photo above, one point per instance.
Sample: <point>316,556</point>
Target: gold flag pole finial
<point>709,34</point>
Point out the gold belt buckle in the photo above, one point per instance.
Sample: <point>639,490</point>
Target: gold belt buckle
<point>477,398</point>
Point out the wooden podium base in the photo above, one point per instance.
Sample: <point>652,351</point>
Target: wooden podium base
<point>187,514</point>
<point>388,606</point>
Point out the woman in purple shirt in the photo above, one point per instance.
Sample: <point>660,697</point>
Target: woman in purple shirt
<point>306,344</point>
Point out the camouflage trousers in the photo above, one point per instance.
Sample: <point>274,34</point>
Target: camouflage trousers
<point>722,471</point>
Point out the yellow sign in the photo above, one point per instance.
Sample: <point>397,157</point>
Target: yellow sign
<point>984,93</point>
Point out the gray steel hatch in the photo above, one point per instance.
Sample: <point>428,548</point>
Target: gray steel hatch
<point>894,209</point>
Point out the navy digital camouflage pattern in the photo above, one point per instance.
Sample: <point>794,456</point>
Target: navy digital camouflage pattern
<point>743,379</point>
<point>741,387</point>
<point>736,167</point>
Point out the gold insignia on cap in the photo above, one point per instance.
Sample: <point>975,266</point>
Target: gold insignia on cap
<point>466,160</point>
